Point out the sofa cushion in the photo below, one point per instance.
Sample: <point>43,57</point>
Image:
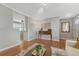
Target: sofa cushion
<point>70,51</point>
<point>70,43</point>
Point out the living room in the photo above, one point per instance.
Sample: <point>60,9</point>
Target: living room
<point>39,29</point>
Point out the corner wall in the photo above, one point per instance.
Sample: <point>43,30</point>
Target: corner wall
<point>8,36</point>
<point>68,35</point>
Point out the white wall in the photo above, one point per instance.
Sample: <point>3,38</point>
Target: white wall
<point>21,17</point>
<point>32,31</point>
<point>55,25</point>
<point>76,27</point>
<point>8,36</point>
<point>46,25</point>
<point>26,25</point>
<point>68,35</point>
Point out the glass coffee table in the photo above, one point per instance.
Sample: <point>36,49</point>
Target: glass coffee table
<point>39,50</point>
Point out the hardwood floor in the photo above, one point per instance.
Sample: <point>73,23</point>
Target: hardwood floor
<point>58,44</point>
<point>15,50</point>
<point>11,52</point>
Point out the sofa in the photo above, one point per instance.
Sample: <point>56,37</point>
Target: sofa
<point>70,49</point>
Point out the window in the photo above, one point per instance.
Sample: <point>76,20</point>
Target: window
<point>19,24</point>
<point>65,27</point>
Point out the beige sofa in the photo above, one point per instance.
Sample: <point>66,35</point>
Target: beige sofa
<point>70,50</point>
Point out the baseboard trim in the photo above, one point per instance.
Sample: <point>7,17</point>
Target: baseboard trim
<point>26,50</point>
<point>10,47</point>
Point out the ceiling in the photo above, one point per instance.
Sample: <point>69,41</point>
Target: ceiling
<point>45,10</point>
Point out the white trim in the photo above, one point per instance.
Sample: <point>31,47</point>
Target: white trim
<point>67,39</point>
<point>55,39</point>
<point>10,46</point>
<point>31,39</point>
<point>13,9</point>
